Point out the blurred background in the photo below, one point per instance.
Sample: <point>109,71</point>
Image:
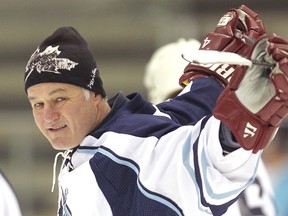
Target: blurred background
<point>123,35</point>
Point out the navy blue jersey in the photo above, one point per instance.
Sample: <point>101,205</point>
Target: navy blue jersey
<point>156,160</point>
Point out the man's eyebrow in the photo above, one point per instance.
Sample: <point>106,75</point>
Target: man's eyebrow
<point>56,91</point>
<point>50,93</point>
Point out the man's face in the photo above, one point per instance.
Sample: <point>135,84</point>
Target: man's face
<point>62,113</point>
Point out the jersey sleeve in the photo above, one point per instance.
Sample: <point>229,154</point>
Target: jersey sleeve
<point>195,101</point>
<point>221,178</point>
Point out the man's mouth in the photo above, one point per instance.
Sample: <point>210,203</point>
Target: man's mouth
<point>56,128</point>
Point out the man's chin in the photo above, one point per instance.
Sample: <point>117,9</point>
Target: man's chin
<point>59,145</point>
<point>62,145</point>
<point>60,148</point>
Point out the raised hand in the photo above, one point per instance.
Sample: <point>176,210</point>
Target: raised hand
<point>237,31</point>
<point>256,100</point>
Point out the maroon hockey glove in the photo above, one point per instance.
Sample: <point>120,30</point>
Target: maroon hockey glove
<point>237,31</point>
<point>256,99</point>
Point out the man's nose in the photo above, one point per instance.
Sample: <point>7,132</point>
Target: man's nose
<point>50,113</point>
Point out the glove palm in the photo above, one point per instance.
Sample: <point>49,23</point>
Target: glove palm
<point>255,101</point>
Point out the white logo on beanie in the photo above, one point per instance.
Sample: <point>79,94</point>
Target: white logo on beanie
<point>47,61</point>
<point>93,75</point>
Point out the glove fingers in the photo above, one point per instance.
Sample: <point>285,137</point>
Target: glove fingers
<point>281,86</point>
<point>237,31</point>
<point>278,47</point>
<point>283,66</point>
<point>276,39</point>
<point>278,51</point>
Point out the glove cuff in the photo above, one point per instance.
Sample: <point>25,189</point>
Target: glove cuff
<point>250,131</point>
<point>221,73</point>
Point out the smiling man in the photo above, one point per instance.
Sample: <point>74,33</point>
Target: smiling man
<point>64,114</point>
<point>125,156</point>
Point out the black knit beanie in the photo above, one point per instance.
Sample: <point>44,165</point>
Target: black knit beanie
<point>64,57</point>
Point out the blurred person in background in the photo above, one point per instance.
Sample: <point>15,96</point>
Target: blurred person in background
<point>9,205</point>
<point>276,158</point>
<point>160,81</point>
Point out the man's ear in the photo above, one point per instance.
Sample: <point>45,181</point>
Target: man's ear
<point>96,97</point>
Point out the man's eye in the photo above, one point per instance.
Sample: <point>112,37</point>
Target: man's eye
<point>61,99</point>
<point>38,106</point>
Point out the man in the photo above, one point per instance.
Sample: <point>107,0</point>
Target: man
<point>9,205</point>
<point>166,64</point>
<point>126,156</point>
